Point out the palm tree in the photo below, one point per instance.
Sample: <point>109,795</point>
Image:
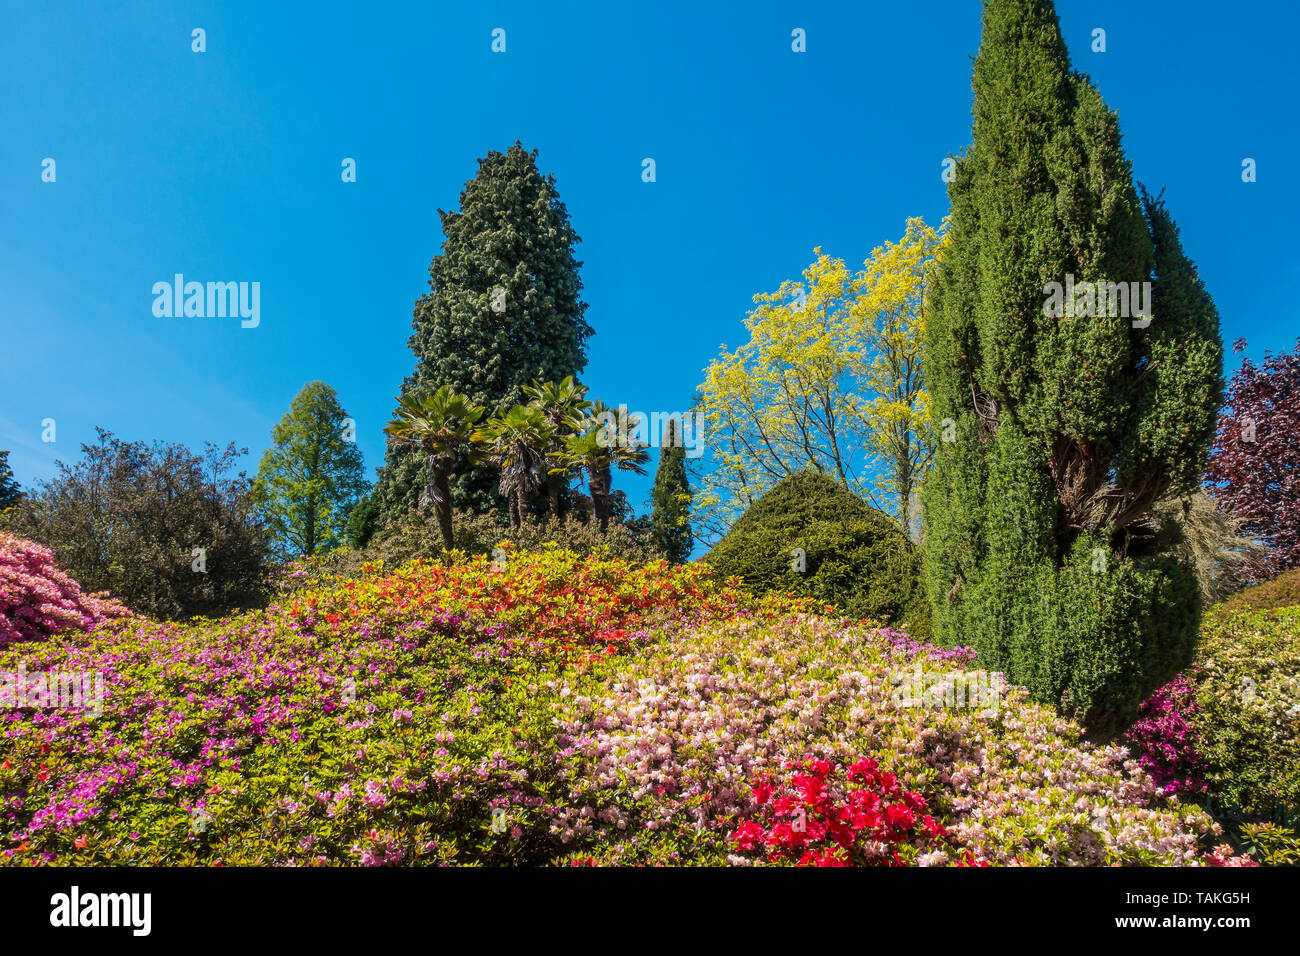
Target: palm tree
<point>439,423</point>
<point>563,404</point>
<point>597,452</point>
<point>514,442</point>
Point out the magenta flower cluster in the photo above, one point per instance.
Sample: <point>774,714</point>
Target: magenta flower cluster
<point>1164,738</point>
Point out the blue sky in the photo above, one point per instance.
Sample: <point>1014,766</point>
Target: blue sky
<point>225,166</point>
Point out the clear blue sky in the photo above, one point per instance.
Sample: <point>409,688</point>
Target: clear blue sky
<point>225,165</point>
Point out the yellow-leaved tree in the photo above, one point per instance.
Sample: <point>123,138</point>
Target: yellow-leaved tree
<point>830,379</point>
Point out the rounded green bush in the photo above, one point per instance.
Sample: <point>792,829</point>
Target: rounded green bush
<point>810,536</point>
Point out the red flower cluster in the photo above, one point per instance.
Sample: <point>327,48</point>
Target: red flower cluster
<point>825,816</point>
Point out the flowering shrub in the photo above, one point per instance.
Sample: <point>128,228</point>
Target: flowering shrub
<point>822,815</point>
<point>1227,732</point>
<point>416,536</point>
<point>38,600</point>
<point>1164,738</point>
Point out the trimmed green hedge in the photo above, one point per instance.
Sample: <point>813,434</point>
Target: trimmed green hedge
<point>854,556</point>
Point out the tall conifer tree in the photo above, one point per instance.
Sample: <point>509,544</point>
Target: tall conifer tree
<point>312,475</point>
<point>671,498</point>
<point>1064,425</point>
<point>504,308</point>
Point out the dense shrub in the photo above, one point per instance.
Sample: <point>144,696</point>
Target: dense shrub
<point>169,532</point>
<point>1226,733</point>
<point>669,756</point>
<point>379,721</point>
<point>1248,695</point>
<point>417,536</point>
<point>1165,738</point>
<point>854,556</point>
<point>543,710</point>
<point>38,600</point>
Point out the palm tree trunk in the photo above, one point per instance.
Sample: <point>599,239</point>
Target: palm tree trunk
<point>443,506</point>
<point>598,480</point>
<point>516,509</point>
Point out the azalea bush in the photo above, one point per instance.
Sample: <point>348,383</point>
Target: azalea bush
<point>38,600</point>
<point>1165,738</point>
<point>821,814</point>
<point>416,536</point>
<point>1248,696</point>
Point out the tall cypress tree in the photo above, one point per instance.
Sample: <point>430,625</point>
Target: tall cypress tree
<point>670,521</point>
<point>503,309</point>
<point>1067,423</point>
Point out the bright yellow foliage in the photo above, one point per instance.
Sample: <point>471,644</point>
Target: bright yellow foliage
<point>830,379</point>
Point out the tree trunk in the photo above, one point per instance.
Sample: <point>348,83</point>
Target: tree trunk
<point>598,480</point>
<point>442,505</point>
<point>516,509</point>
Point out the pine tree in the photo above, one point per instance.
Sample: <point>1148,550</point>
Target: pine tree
<point>670,521</point>
<point>310,477</point>
<point>1062,423</point>
<point>10,493</point>
<point>504,309</point>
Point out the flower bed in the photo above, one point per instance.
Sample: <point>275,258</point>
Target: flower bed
<point>661,759</point>
<point>550,709</point>
<point>392,719</point>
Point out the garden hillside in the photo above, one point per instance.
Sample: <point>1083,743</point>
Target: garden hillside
<point>551,709</point>
<point>1226,732</point>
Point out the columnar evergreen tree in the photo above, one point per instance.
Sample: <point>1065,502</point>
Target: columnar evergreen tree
<point>670,519</point>
<point>1061,427</point>
<point>363,520</point>
<point>504,308</point>
<point>312,475</point>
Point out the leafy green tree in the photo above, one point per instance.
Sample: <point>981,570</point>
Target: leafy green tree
<point>1062,424</point>
<point>10,493</point>
<point>310,477</point>
<point>670,516</point>
<point>439,424</point>
<point>562,404</point>
<point>831,379</point>
<point>516,442</point>
<point>504,309</point>
<point>169,532</point>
